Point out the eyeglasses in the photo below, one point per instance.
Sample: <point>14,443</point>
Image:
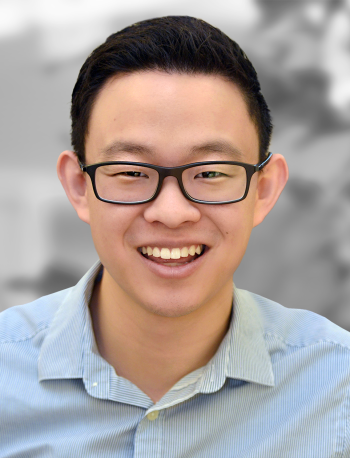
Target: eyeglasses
<point>210,182</point>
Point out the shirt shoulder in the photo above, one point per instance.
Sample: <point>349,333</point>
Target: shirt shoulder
<point>297,327</point>
<point>23,322</point>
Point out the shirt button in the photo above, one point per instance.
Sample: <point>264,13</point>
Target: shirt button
<point>153,415</point>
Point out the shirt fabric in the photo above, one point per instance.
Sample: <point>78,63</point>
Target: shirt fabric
<point>277,387</point>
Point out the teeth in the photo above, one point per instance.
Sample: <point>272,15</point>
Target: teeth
<point>192,250</point>
<point>174,253</point>
<point>164,253</point>
<point>184,252</point>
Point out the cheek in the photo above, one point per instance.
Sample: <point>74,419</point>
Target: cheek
<point>235,221</point>
<point>235,229</point>
<point>109,223</point>
<point>237,234</point>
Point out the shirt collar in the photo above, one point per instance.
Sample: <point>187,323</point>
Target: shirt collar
<point>61,354</point>
<point>241,355</point>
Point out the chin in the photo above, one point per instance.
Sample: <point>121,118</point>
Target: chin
<point>172,307</point>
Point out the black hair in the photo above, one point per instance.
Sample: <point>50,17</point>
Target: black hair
<point>173,44</point>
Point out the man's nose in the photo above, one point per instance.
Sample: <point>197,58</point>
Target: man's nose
<point>171,207</point>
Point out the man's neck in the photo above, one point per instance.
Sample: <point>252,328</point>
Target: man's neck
<point>155,352</point>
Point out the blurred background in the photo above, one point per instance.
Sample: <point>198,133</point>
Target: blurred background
<point>299,256</point>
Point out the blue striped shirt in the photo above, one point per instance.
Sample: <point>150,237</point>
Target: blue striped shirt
<point>278,386</point>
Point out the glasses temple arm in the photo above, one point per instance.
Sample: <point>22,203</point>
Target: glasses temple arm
<point>262,165</point>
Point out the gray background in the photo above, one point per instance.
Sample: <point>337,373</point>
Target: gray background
<point>299,256</point>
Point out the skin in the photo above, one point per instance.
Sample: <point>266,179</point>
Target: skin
<point>155,330</point>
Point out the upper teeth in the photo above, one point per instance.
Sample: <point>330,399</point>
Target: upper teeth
<point>174,253</point>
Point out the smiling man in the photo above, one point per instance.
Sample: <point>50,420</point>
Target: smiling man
<point>155,352</point>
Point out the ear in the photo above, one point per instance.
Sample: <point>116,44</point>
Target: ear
<point>74,183</point>
<point>271,182</point>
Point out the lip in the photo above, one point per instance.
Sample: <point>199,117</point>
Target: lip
<point>164,271</point>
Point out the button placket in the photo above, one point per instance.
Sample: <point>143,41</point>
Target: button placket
<point>153,415</point>
<point>149,435</point>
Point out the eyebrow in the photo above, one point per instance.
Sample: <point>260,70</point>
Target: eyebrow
<point>217,146</point>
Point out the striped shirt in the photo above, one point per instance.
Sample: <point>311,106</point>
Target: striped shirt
<point>277,387</point>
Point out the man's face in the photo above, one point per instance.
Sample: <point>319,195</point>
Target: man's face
<point>170,114</point>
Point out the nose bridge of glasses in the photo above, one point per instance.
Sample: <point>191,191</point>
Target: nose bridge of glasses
<point>175,172</point>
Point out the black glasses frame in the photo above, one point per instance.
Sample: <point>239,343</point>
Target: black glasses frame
<point>176,172</point>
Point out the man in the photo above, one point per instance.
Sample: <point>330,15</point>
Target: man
<point>155,352</point>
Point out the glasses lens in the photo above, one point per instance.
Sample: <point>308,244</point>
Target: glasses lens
<point>126,182</point>
<point>215,182</point>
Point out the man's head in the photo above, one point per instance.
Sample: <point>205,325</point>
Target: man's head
<point>165,118</point>
<point>174,44</point>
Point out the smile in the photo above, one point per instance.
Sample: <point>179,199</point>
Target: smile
<point>184,255</point>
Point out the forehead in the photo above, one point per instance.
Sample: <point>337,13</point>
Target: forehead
<point>168,117</point>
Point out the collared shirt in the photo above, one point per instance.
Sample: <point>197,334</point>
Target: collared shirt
<point>278,386</point>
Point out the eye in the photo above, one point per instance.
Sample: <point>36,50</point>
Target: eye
<point>134,174</point>
<point>209,174</point>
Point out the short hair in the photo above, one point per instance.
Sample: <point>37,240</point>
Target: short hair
<point>173,44</point>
